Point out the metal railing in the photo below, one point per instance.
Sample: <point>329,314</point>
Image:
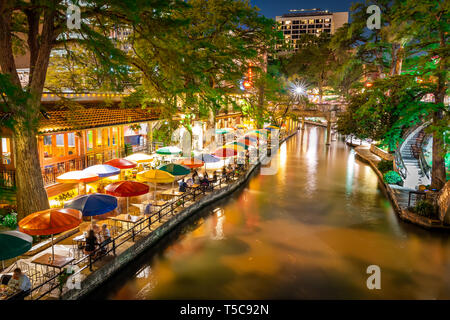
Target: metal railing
<point>104,249</point>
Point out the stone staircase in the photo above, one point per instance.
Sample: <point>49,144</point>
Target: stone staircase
<point>410,154</point>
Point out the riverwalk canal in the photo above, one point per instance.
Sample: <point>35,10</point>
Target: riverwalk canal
<point>308,231</point>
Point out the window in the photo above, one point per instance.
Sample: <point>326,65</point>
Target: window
<point>6,151</point>
<point>114,136</point>
<point>60,140</point>
<point>71,139</point>
<point>47,140</point>
<point>90,140</point>
<point>296,22</point>
<point>48,146</point>
<point>311,21</point>
<point>99,137</point>
<point>295,27</point>
<point>71,143</point>
<point>328,20</point>
<point>60,150</point>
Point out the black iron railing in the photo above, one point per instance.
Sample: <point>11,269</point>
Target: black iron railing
<point>119,240</point>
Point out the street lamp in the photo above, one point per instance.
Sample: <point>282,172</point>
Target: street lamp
<point>298,89</point>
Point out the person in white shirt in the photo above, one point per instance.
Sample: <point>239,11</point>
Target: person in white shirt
<point>20,282</point>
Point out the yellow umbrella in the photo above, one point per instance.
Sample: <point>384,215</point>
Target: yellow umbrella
<point>155,176</point>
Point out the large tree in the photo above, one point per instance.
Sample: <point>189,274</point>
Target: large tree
<point>40,26</point>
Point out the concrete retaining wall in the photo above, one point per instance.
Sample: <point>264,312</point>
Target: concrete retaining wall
<point>381,153</point>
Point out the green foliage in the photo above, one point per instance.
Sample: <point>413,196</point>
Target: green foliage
<point>10,220</point>
<point>424,208</point>
<point>65,196</point>
<point>385,166</point>
<point>392,177</point>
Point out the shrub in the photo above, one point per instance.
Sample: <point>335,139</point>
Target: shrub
<point>10,220</point>
<point>392,177</point>
<point>424,208</point>
<point>385,166</point>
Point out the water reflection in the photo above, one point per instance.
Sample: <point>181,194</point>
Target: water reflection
<point>309,231</point>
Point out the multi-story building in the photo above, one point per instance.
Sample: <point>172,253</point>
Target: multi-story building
<point>314,21</point>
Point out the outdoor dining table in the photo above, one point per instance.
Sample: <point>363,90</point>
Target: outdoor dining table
<point>127,218</point>
<point>58,262</point>
<point>172,193</point>
<point>7,292</point>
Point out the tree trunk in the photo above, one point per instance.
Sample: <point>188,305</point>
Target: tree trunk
<point>438,175</point>
<point>31,195</point>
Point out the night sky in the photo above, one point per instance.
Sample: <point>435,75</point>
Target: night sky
<point>272,8</point>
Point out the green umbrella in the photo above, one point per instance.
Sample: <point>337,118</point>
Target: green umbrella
<point>169,150</point>
<point>223,131</point>
<point>175,169</point>
<point>13,244</point>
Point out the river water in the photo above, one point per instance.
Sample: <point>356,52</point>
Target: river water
<point>307,232</point>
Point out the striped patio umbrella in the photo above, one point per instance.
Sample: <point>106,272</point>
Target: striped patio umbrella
<point>169,151</point>
<point>50,222</point>
<point>103,170</point>
<point>13,244</point>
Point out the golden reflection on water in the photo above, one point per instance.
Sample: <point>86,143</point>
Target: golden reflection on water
<point>308,232</point>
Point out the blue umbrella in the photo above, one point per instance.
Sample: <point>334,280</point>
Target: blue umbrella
<point>103,170</point>
<point>93,204</point>
<point>207,158</point>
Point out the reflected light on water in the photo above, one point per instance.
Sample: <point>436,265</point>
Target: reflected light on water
<point>308,235</point>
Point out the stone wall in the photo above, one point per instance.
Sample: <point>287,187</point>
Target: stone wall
<point>381,153</point>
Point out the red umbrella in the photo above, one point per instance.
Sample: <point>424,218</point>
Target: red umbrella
<point>225,152</point>
<point>50,222</point>
<point>191,163</point>
<point>126,189</point>
<point>121,163</point>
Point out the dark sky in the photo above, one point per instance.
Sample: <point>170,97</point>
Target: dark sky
<point>272,8</point>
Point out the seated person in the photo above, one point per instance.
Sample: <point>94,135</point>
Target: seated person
<point>224,172</point>
<point>20,282</point>
<point>190,182</point>
<point>205,175</point>
<point>183,185</point>
<point>91,242</point>
<point>196,178</point>
<point>215,177</point>
<point>106,237</point>
<point>148,209</point>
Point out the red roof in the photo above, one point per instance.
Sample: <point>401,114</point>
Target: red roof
<point>70,119</point>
